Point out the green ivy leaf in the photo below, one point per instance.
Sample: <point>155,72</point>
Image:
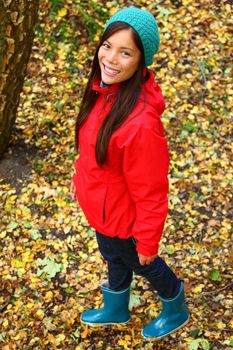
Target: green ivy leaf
<point>163,12</point>
<point>134,301</point>
<point>194,333</point>
<point>205,344</point>
<point>76,334</point>
<point>35,234</point>
<point>12,225</point>
<point>215,275</point>
<point>170,249</point>
<point>59,106</point>
<point>51,267</point>
<point>91,233</point>
<point>27,224</point>
<point>194,344</point>
<point>174,200</point>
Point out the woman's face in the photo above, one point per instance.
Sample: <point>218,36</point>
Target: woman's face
<point>118,57</point>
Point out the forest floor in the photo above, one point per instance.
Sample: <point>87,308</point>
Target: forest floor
<point>50,265</point>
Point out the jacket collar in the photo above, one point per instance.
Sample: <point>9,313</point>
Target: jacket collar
<point>109,89</point>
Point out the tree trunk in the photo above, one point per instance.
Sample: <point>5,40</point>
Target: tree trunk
<point>17,21</point>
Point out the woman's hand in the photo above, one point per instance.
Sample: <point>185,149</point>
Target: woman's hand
<point>146,260</point>
<point>72,190</point>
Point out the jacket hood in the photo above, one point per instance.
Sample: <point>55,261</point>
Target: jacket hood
<point>152,94</point>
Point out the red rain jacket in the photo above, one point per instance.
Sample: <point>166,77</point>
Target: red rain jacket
<point>129,196</point>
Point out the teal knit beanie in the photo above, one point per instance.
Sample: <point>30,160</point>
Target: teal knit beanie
<point>145,25</point>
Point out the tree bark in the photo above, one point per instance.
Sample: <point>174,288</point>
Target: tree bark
<point>17,21</point>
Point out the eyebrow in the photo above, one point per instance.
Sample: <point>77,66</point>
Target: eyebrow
<point>122,47</point>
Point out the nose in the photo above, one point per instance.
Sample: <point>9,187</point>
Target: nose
<point>112,57</point>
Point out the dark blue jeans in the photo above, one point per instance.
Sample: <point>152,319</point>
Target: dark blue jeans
<point>122,259</point>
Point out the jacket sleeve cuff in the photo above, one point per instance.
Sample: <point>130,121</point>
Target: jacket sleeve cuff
<point>147,250</point>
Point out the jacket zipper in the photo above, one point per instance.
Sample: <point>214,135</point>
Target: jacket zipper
<point>104,207</point>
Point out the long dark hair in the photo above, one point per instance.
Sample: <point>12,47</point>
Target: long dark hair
<point>125,101</point>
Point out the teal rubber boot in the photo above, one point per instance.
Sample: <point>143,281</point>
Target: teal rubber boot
<point>174,315</point>
<point>115,310</point>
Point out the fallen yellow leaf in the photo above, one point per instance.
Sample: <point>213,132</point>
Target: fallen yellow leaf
<point>62,12</point>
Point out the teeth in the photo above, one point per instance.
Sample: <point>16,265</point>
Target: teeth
<point>111,71</point>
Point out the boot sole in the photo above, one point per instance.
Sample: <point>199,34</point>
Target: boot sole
<point>165,335</point>
<point>105,324</point>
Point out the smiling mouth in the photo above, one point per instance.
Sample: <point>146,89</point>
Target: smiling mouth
<point>110,71</point>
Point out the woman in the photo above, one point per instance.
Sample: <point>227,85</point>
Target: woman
<point>121,179</point>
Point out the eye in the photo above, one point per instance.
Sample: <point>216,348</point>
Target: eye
<point>125,53</point>
<point>106,45</point>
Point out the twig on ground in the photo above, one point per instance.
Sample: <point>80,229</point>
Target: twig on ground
<point>200,66</point>
<point>219,290</point>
